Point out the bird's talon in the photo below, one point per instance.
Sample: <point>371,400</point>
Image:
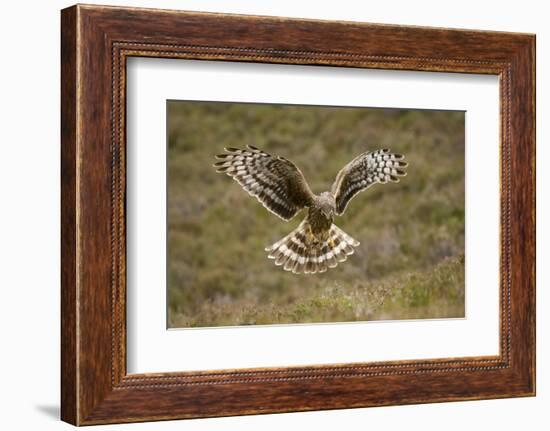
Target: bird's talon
<point>309,235</point>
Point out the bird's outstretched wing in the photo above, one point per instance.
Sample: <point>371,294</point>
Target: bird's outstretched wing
<point>275,181</point>
<point>369,168</point>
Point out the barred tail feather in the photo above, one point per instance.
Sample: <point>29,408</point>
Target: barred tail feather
<point>296,254</point>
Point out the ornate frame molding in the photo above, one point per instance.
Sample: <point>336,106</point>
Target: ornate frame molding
<point>96,41</point>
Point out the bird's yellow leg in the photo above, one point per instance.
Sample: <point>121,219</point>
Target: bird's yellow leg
<point>331,242</point>
<point>309,235</point>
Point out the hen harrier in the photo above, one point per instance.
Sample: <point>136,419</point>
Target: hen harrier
<point>316,244</point>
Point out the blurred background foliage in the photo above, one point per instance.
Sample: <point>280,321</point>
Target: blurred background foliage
<point>410,263</point>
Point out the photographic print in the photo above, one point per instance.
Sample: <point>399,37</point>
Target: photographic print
<point>287,214</point>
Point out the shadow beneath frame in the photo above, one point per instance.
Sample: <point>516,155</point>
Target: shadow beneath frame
<point>52,411</point>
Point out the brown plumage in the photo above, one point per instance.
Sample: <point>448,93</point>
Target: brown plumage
<point>316,244</point>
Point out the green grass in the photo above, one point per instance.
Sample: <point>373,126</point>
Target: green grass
<point>433,293</point>
<point>409,263</point>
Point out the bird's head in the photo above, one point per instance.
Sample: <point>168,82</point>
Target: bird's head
<point>327,204</point>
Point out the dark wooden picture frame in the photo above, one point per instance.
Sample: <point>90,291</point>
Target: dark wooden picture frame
<point>96,41</point>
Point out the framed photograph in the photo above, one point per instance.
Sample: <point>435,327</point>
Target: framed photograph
<point>264,215</point>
